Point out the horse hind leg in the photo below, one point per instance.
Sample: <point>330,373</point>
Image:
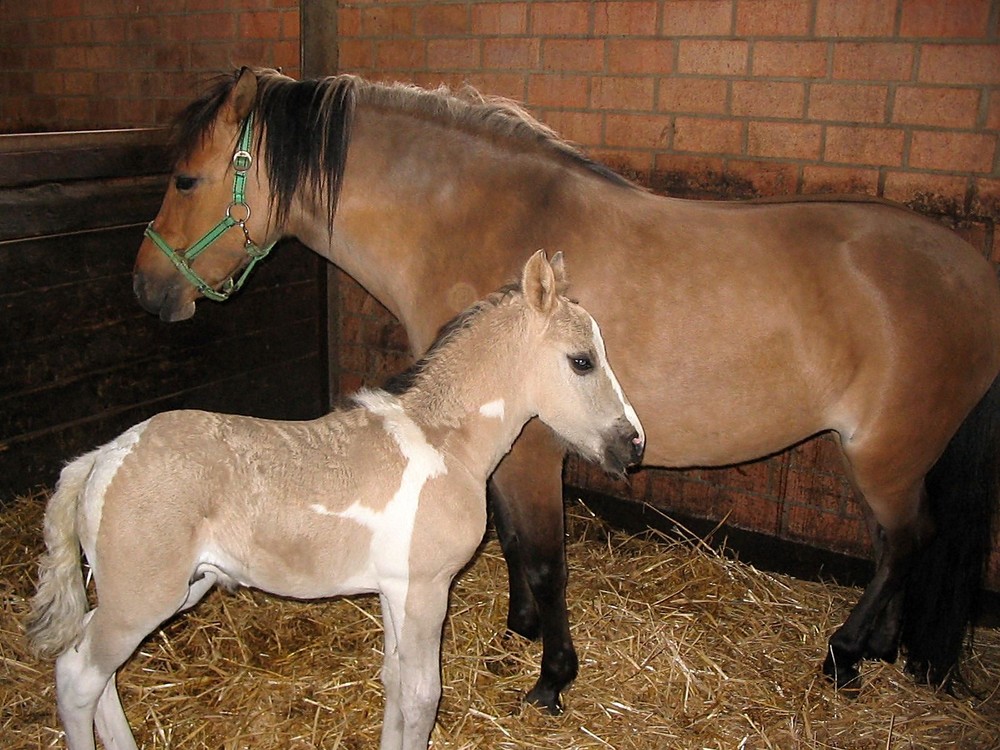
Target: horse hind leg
<point>873,627</point>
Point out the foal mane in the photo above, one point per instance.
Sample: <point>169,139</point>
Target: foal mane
<point>410,378</point>
<point>313,121</point>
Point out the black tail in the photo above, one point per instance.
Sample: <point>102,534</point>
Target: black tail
<point>945,584</point>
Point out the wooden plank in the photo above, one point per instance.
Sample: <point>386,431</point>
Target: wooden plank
<point>36,463</point>
<point>56,208</point>
<point>26,168</point>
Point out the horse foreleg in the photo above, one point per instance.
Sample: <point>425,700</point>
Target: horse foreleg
<point>528,510</point>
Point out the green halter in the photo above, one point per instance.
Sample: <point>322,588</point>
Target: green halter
<point>242,161</point>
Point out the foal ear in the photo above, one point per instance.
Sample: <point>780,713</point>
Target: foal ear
<point>538,281</point>
<point>559,270</point>
<point>241,97</point>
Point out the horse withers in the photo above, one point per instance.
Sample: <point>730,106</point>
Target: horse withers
<point>737,328</point>
<point>385,496</point>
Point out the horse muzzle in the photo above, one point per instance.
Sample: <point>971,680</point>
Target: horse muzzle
<point>170,301</point>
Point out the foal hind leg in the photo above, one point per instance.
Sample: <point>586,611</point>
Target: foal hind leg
<point>85,685</point>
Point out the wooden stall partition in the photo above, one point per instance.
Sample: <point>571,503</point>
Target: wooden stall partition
<point>79,359</point>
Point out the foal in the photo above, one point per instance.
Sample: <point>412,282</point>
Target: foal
<point>386,496</point>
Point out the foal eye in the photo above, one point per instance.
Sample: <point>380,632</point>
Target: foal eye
<point>183,183</point>
<point>581,363</point>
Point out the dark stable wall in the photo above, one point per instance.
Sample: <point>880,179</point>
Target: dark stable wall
<point>80,361</point>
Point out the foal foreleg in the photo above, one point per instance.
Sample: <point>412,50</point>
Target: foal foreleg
<point>417,622</point>
<point>528,499</point>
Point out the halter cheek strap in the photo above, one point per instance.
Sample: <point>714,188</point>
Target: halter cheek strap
<point>183,260</point>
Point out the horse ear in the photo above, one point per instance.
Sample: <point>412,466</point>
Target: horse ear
<point>241,97</point>
<point>559,270</point>
<point>538,281</point>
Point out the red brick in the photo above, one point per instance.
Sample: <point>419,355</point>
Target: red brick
<point>259,25</point>
<point>749,511</point>
<point>290,24</point>
<point>790,59</point>
<point>641,131</point>
<point>573,54</point>
<point>387,21</point>
<point>855,18</point>
<point>499,19</point>
<point>712,57</point>
<point>355,55</point>
<point>944,107</point>
<point>348,23</point>
<point>557,90</point>
<point>993,112</point>
<point>560,19</point>
<point>768,98</point>
<point>400,54</point>
<point>697,17</point>
<point>108,30</point>
<point>640,56</point>
<point>773,18</point>
<point>622,93</point>
<point>453,54</point>
<point>864,146</point>
<point>625,18</point>
<point>960,63</point>
<point>692,95</point>
<point>873,61</point>
<point>783,140</point>
<point>708,136</point>
<point>844,102</point>
<point>953,152</point>
<point>498,83</point>
<point>819,178</point>
<point>765,177</point>
<point>442,20</point>
<point>954,18</point>
<point>511,53</point>
<point>827,530</point>
<point>583,128</point>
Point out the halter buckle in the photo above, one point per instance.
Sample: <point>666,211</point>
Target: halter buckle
<point>242,161</point>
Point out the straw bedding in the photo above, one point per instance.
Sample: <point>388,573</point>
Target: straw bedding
<point>680,647</point>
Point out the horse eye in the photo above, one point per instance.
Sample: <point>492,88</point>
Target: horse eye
<point>183,183</point>
<point>581,363</point>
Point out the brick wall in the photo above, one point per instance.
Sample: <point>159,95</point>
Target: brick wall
<point>721,98</point>
<point>89,64</point>
<point>899,98</point>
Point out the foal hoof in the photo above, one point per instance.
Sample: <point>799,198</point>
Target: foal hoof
<point>545,698</point>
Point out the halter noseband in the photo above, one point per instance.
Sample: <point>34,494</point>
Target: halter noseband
<point>242,161</point>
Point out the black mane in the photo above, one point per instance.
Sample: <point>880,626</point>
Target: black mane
<point>313,121</point>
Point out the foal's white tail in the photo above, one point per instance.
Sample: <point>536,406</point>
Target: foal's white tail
<point>59,606</point>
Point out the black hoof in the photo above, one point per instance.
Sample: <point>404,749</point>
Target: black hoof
<point>845,677</point>
<point>545,698</point>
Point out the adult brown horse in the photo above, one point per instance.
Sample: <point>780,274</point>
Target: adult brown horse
<point>737,328</point>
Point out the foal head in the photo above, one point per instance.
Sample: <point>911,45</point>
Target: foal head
<point>571,384</point>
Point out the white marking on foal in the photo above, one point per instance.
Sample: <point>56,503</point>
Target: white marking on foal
<point>493,409</point>
<point>602,355</point>
<point>392,527</point>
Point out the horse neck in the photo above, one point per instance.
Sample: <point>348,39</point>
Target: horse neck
<point>471,395</point>
<point>431,217</point>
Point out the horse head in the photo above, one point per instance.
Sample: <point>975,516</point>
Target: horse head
<point>205,232</point>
